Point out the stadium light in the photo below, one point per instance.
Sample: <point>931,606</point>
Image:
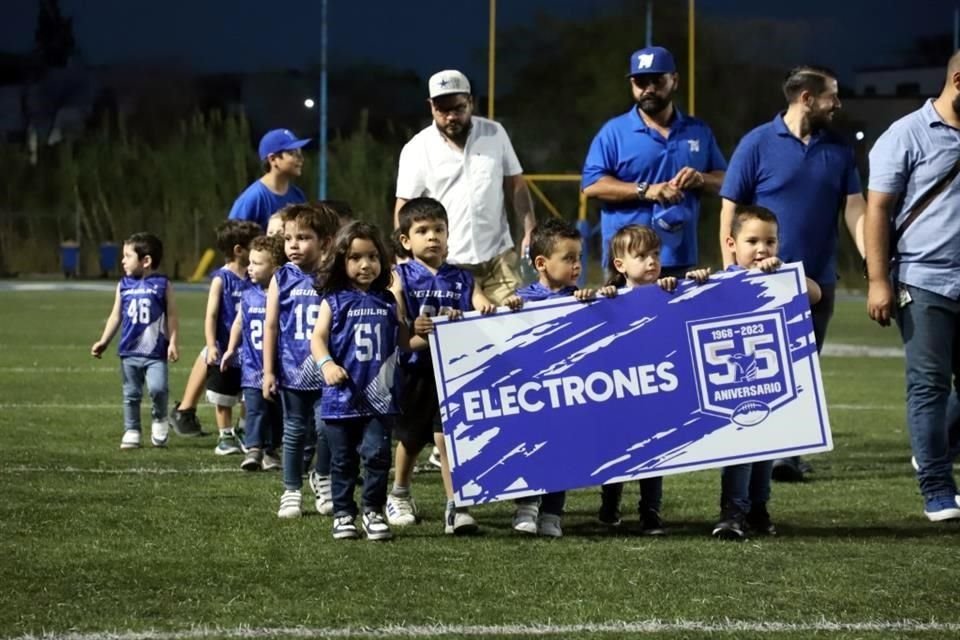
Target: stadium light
<point>859,135</point>
<point>308,103</point>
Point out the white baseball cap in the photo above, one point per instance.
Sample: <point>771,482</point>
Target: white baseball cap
<point>448,81</point>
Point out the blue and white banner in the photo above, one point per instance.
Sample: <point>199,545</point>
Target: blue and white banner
<point>563,394</point>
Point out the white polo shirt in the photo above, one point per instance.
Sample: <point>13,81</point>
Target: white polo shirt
<point>468,183</point>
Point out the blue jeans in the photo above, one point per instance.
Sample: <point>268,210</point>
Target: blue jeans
<point>744,486</point>
<point>930,329</point>
<point>651,493</point>
<point>298,412</point>
<point>134,371</point>
<point>352,441</point>
<point>264,423</point>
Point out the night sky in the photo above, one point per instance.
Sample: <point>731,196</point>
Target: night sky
<point>427,35</point>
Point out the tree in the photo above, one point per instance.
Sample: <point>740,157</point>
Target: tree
<point>53,35</point>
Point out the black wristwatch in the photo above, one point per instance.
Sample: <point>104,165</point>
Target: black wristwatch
<point>642,190</point>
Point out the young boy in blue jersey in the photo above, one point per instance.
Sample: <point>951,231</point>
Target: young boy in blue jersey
<point>146,314</point>
<point>355,345</point>
<point>288,368</point>
<point>745,488</point>
<point>264,423</point>
<point>426,286</point>
<point>223,301</point>
<point>282,161</point>
<point>555,250</point>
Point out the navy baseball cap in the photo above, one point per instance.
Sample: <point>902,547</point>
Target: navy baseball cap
<point>651,60</point>
<point>279,140</point>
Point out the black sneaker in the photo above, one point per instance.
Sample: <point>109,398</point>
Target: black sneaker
<point>651,524</point>
<point>609,515</point>
<point>185,422</point>
<point>730,527</point>
<point>787,470</point>
<point>758,520</point>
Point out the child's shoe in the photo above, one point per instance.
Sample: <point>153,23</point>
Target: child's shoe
<point>290,505</point>
<point>130,439</point>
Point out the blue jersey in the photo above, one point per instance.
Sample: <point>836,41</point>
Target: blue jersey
<point>233,287</point>
<point>143,317</point>
<point>429,294</point>
<point>253,311</point>
<point>536,291</point>
<point>363,340</point>
<point>299,307</point>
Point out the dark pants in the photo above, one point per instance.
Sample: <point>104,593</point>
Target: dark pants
<point>264,423</point>
<point>651,494</point>
<point>745,486</point>
<point>930,329</point>
<point>552,503</point>
<point>353,441</point>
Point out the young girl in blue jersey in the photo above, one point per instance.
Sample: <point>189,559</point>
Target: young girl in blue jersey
<point>555,250</point>
<point>355,346</point>
<point>226,287</point>
<point>288,368</point>
<point>145,312</point>
<point>634,262</point>
<point>264,418</point>
<point>745,488</point>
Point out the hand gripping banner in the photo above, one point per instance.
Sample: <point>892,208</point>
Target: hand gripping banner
<point>564,394</point>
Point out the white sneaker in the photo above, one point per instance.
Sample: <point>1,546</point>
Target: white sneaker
<point>401,510</point>
<point>290,505</point>
<point>434,458</point>
<point>376,527</point>
<point>525,519</point>
<point>159,433</point>
<point>323,492</point>
<point>913,463</point>
<point>459,523</point>
<point>130,439</point>
<point>549,526</point>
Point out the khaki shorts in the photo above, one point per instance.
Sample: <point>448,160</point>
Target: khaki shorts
<point>497,278</point>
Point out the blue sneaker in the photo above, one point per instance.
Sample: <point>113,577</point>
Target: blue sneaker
<point>941,508</point>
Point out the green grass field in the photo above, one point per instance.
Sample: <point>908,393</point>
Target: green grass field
<point>178,543</point>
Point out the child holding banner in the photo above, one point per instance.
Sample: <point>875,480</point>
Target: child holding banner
<point>745,488</point>
<point>555,250</point>
<point>426,285</point>
<point>288,367</point>
<point>355,346</point>
<point>634,262</point>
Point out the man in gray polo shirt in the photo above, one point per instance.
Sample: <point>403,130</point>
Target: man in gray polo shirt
<point>913,162</point>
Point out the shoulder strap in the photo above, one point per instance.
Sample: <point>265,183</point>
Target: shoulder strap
<point>924,201</point>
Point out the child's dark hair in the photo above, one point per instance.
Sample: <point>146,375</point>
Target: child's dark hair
<point>146,244</point>
<point>334,276</point>
<point>397,247</point>
<point>632,239</point>
<point>418,210</point>
<point>318,216</point>
<point>343,210</point>
<point>545,235</point>
<point>271,245</point>
<point>746,212</point>
<point>231,233</point>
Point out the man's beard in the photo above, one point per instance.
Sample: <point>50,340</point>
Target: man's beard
<point>820,120</point>
<point>458,134</point>
<point>652,103</point>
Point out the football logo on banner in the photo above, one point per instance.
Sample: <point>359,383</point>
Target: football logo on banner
<point>742,366</point>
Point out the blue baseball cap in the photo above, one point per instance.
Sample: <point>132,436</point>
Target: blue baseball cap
<point>280,140</point>
<point>651,60</point>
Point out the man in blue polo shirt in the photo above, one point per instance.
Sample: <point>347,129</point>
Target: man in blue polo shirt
<point>916,161</point>
<point>796,167</point>
<point>650,165</point>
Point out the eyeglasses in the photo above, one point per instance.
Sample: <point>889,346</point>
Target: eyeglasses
<point>457,110</point>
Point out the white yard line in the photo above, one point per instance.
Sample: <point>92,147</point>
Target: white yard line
<point>841,350</point>
<point>136,471</point>
<point>570,630</point>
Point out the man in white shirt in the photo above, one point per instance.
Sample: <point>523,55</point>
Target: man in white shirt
<point>468,164</point>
